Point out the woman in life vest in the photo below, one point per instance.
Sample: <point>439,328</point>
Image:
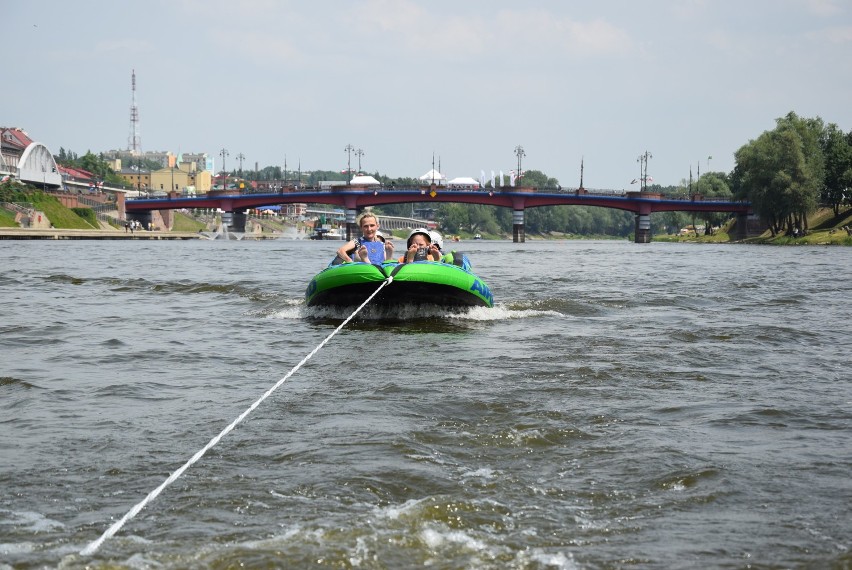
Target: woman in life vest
<point>420,247</point>
<point>371,247</point>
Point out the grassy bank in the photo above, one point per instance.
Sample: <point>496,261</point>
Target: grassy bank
<point>825,229</point>
<point>7,219</point>
<point>60,216</point>
<point>184,223</point>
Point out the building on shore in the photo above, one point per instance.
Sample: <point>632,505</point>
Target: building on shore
<point>27,160</point>
<point>184,178</point>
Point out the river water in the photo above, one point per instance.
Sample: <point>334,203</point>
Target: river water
<point>623,405</point>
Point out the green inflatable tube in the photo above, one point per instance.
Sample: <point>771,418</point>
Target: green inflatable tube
<point>417,283</point>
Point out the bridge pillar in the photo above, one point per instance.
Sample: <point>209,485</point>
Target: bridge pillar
<point>235,221</point>
<point>747,225</point>
<point>352,228</point>
<point>119,205</point>
<point>239,222</point>
<point>643,228</point>
<point>741,227</point>
<point>518,233</point>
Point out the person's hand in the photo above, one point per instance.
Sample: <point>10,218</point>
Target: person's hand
<point>412,251</point>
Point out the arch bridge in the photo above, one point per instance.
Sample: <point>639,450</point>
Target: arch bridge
<point>353,199</point>
<point>35,166</point>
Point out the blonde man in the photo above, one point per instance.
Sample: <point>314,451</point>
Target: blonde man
<point>371,247</point>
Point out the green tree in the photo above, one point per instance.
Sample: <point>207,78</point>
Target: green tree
<point>268,173</point>
<point>483,219</point>
<point>316,176</point>
<point>92,163</point>
<point>537,179</point>
<point>453,217</point>
<point>713,186</point>
<point>782,171</point>
<point>837,149</point>
<point>473,218</point>
<point>670,222</point>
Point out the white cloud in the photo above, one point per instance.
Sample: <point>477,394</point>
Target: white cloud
<point>689,10</point>
<point>259,48</point>
<point>823,7</point>
<point>421,30</point>
<point>543,30</point>
<point>838,35</point>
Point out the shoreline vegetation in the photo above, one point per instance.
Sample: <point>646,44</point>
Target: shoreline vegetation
<point>826,228</point>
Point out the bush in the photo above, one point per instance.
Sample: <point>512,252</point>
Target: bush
<point>7,219</point>
<point>87,214</point>
<point>13,191</point>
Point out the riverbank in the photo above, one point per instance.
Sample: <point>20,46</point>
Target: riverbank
<point>825,228</point>
<point>66,234</point>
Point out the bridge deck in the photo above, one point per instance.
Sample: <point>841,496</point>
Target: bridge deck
<point>516,198</point>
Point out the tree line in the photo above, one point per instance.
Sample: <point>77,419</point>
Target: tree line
<point>93,163</point>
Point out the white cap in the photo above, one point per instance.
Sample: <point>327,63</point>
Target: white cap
<point>436,239</point>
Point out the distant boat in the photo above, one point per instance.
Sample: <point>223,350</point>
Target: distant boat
<point>477,236</point>
<point>324,233</point>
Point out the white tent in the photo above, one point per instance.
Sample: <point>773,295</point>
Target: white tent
<point>463,183</point>
<point>362,180</point>
<point>434,176</point>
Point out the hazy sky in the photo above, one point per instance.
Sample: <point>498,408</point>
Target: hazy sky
<point>469,81</point>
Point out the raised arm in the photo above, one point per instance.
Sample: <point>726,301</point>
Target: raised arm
<point>344,250</point>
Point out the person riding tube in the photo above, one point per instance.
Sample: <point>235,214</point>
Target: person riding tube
<point>420,247</point>
<point>371,247</point>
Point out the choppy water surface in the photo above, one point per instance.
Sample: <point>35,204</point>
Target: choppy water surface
<point>624,405</point>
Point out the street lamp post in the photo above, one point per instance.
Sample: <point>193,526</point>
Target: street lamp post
<point>359,153</point>
<point>647,156</point>
<point>223,153</point>
<point>643,170</point>
<point>349,148</point>
<point>241,157</point>
<point>519,152</point>
<point>639,160</point>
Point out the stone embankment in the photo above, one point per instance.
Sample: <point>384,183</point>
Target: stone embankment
<point>57,234</point>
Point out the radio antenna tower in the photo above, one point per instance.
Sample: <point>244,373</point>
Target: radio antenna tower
<point>134,143</point>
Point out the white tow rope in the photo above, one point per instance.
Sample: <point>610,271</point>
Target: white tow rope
<point>93,546</point>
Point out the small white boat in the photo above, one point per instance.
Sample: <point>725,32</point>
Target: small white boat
<point>323,233</point>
